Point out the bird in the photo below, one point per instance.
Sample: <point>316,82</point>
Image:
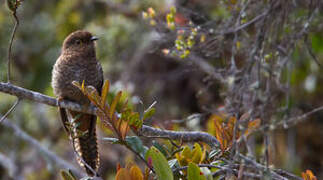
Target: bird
<point>78,62</point>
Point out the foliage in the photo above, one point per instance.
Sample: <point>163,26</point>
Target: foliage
<point>258,60</point>
<point>119,123</point>
<point>308,175</point>
<point>131,172</point>
<point>157,160</point>
<point>194,172</point>
<point>223,127</point>
<point>187,156</point>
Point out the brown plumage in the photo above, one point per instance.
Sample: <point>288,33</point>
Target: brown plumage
<point>78,62</point>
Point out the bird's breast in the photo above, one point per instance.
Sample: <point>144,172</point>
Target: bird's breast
<point>67,71</point>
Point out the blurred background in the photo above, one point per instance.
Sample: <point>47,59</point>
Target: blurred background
<point>130,52</point>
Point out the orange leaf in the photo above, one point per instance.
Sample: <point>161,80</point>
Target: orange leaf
<point>308,175</point>
<point>118,167</point>
<point>136,173</point>
<point>105,90</point>
<point>122,174</point>
<point>114,103</point>
<point>123,128</point>
<point>311,175</point>
<point>252,125</point>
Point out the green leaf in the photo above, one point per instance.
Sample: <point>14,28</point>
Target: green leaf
<point>194,172</point>
<point>173,9</point>
<point>136,144</point>
<point>161,148</point>
<point>197,153</point>
<point>149,113</point>
<point>134,120</point>
<point>159,163</point>
<point>125,114</point>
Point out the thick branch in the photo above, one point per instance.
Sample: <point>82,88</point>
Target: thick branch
<point>41,98</point>
<point>145,131</point>
<point>185,136</point>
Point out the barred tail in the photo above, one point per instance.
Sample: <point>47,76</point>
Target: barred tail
<point>85,142</point>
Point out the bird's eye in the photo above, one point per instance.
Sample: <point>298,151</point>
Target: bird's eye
<point>78,41</point>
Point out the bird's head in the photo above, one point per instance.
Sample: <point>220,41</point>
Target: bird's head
<point>80,42</point>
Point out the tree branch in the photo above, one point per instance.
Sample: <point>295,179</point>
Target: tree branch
<point>145,131</point>
<point>10,110</point>
<point>9,165</point>
<point>11,42</point>
<point>41,98</point>
<point>43,150</point>
<point>191,136</point>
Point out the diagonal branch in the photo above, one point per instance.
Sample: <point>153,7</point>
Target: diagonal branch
<point>10,110</point>
<point>43,150</point>
<point>10,165</point>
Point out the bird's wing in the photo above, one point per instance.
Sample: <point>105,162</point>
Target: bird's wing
<point>100,77</point>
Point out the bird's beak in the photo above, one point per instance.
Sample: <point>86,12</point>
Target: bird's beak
<point>94,38</point>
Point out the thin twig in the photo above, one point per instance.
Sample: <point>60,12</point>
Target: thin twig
<point>199,165</point>
<point>261,167</point>
<point>310,52</point>
<point>257,18</point>
<point>11,42</point>
<point>222,170</point>
<point>290,176</point>
<point>10,110</point>
<point>288,123</point>
<point>137,154</point>
<point>295,120</point>
<point>124,143</point>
